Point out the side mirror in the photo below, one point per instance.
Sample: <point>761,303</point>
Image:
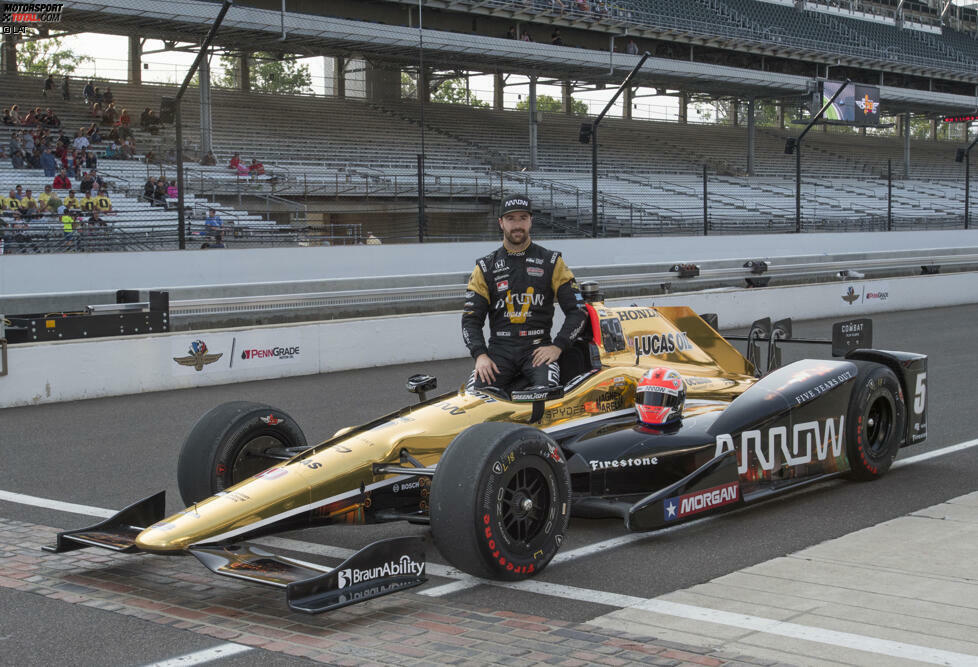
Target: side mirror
<point>421,384</point>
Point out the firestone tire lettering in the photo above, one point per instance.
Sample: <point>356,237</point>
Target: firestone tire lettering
<point>876,423</point>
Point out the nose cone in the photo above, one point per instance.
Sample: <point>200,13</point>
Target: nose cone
<point>221,517</point>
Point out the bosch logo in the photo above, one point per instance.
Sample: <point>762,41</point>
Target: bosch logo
<point>270,353</point>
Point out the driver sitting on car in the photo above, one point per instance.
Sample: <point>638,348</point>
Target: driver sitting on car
<point>515,286</point>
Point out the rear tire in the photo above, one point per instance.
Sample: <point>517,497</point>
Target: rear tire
<point>226,445</point>
<point>500,501</point>
<point>876,422</point>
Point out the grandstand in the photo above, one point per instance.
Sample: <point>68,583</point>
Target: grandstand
<point>337,165</point>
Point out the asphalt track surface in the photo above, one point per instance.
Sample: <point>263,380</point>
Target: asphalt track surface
<point>109,452</point>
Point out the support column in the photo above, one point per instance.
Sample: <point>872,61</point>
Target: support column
<point>8,54</point>
<point>244,72</point>
<point>906,145</point>
<point>933,129</point>
<point>206,134</point>
<point>532,106</point>
<point>780,115</point>
<point>568,97</point>
<point>498,87</point>
<point>683,107</point>
<point>383,84</point>
<point>626,101</point>
<point>135,60</point>
<point>734,112</point>
<point>339,77</point>
<point>750,136</point>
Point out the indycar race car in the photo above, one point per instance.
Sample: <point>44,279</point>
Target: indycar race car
<point>496,474</point>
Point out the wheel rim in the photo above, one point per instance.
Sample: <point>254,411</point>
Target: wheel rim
<point>879,420</point>
<point>524,504</point>
<point>251,460</point>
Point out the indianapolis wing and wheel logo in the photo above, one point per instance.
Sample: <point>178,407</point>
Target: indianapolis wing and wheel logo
<point>850,296</point>
<point>198,357</point>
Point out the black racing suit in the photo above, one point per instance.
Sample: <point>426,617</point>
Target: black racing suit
<point>517,291</point>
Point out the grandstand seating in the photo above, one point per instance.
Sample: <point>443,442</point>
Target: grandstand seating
<point>650,172</point>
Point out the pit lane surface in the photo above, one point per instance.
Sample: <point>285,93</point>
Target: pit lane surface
<point>108,452</point>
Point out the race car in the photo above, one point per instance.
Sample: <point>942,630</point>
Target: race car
<point>497,473</point>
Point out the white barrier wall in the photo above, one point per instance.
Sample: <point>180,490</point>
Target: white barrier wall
<point>64,371</point>
<point>83,272</point>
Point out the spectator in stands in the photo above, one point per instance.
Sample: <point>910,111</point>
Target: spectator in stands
<point>558,4</point>
<point>15,118</point>
<point>632,48</point>
<point>148,189</point>
<point>33,159</point>
<point>99,181</point>
<point>17,159</point>
<point>86,183</point>
<point>159,192</point>
<point>97,97</point>
<point>124,120</point>
<point>144,119</point>
<point>96,219</point>
<point>256,168</point>
<point>94,137</point>
<point>81,142</point>
<point>112,151</point>
<point>49,201</point>
<point>171,190</point>
<point>72,162</point>
<point>71,202</point>
<point>96,111</point>
<point>88,203</point>
<point>12,203</point>
<point>153,124</point>
<point>48,163</point>
<point>218,241</point>
<point>555,38</point>
<point>213,222</point>
<point>63,138</point>
<point>31,118</point>
<point>235,161</point>
<point>66,88</point>
<point>126,149</point>
<point>48,85</point>
<point>110,115</point>
<point>242,169</point>
<point>91,160</point>
<point>61,181</point>
<point>89,92</point>
<point>511,33</point>
<point>527,37</point>
<point>103,204</point>
<point>51,119</point>
<point>28,206</point>
<point>208,160</point>
<point>67,222</point>
<point>107,96</point>
<point>372,240</point>
<point>7,118</point>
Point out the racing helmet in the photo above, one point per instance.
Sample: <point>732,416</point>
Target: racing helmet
<point>660,396</point>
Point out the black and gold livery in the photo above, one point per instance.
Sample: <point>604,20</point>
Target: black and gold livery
<point>517,290</point>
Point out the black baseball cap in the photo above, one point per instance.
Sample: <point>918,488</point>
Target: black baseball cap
<point>515,203</point>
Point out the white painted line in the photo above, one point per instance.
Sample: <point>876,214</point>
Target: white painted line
<point>218,652</point>
<point>770,626</point>
<point>47,503</point>
<point>944,451</point>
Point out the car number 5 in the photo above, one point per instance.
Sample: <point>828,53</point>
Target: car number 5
<point>920,394</point>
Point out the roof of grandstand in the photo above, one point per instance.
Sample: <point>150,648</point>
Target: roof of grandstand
<point>247,28</point>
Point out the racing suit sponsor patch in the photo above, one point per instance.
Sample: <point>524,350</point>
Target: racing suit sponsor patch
<point>502,285</point>
<point>534,271</point>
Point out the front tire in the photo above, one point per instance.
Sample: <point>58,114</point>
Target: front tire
<point>500,501</point>
<point>229,444</point>
<point>876,422</point>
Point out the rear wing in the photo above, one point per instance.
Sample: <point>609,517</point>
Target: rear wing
<point>847,335</point>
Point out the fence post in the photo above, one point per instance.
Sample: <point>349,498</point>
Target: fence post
<point>889,194</point>
<point>706,214</point>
